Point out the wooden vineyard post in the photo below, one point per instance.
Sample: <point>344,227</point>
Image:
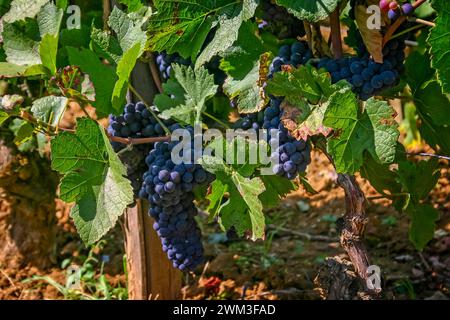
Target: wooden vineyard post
<point>150,273</point>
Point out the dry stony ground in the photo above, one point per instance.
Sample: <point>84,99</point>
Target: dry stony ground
<point>301,235</point>
<point>283,267</point>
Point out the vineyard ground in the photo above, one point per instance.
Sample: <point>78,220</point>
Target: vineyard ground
<point>286,265</point>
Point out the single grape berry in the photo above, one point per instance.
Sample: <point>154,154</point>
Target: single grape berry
<point>392,14</point>
<point>393,5</point>
<point>407,9</point>
<point>384,5</point>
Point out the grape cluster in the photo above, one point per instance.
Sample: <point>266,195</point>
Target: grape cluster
<point>365,75</point>
<point>296,54</point>
<point>394,10</point>
<point>278,21</point>
<point>164,62</point>
<point>169,189</point>
<point>136,121</point>
<point>292,156</point>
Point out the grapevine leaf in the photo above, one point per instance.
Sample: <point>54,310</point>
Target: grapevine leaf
<point>173,95</point>
<point>50,109</point>
<point>432,105</point>
<point>439,39</point>
<point>132,5</point>
<point>21,9</point>
<point>48,50</point>
<point>124,68</point>
<point>422,226</point>
<point>243,209</point>
<point>49,20</point>
<point>182,26</point>
<point>3,117</point>
<point>248,94</point>
<point>19,49</point>
<point>93,179</point>
<point>10,70</point>
<point>373,130</point>
<point>227,32</point>
<point>239,59</point>
<point>310,10</point>
<point>408,186</point>
<point>418,179</point>
<point>199,87</point>
<point>22,130</point>
<point>249,190</point>
<point>276,188</point>
<point>129,32</point>
<point>102,76</point>
<point>106,46</point>
<point>418,70</point>
<point>304,83</point>
<point>306,93</point>
<point>215,198</point>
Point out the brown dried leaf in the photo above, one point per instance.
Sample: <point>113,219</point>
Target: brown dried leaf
<point>373,38</point>
<point>299,126</point>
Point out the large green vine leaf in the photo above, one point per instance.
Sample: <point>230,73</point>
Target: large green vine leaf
<point>243,209</point>
<point>198,86</point>
<point>50,109</point>
<point>432,106</point>
<point>247,92</point>
<point>227,32</point>
<point>239,59</point>
<point>103,77</point>
<point>439,39</point>
<point>21,9</point>
<point>93,178</point>
<point>310,10</point>
<point>182,26</point>
<point>19,49</point>
<point>408,186</point>
<point>374,130</point>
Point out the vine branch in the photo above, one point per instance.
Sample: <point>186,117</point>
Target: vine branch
<point>136,141</point>
<point>399,22</point>
<point>353,225</point>
<point>336,38</point>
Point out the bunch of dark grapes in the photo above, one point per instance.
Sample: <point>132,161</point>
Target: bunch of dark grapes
<point>164,62</point>
<point>394,10</point>
<point>169,189</point>
<point>367,77</point>
<point>136,121</point>
<point>278,21</point>
<point>293,156</point>
<point>295,54</point>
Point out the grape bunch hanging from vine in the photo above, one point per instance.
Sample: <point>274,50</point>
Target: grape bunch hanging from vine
<point>282,69</point>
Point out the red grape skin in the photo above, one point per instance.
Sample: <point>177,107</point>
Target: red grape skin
<point>393,5</point>
<point>384,5</point>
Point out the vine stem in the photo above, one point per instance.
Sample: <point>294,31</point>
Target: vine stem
<point>421,21</point>
<point>223,124</point>
<point>399,22</point>
<point>134,91</point>
<point>136,141</point>
<point>423,154</point>
<point>336,38</point>
<point>354,221</point>
<point>154,72</point>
